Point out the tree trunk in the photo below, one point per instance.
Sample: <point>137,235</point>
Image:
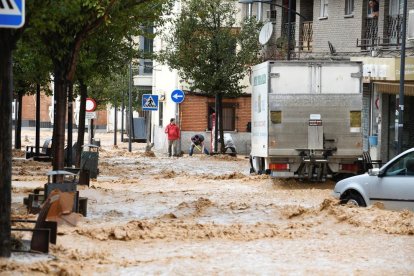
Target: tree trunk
<point>70,124</point>
<point>220,122</point>
<point>6,97</point>
<point>58,162</point>
<point>216,127</point>
<point>18,122</point>
<point>37,119</point>
<point>81,126</point>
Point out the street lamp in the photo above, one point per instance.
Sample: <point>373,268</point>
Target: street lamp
<point>402,81</point>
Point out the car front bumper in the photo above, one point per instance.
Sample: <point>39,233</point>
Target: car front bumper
<point>336,194</point>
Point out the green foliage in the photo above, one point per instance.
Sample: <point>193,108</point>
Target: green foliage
<point>209,48</point>
<point>31,66</point>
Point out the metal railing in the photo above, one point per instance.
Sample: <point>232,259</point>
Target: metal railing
<point>306,41</point>
<point>285,29</point>
<point>392,33</point>
<point>394,29</point>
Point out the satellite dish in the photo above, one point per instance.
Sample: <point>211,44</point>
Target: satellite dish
<point>266,33</point>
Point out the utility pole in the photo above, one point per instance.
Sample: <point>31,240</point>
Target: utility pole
<point>402,81</point>
<point>130,109</point>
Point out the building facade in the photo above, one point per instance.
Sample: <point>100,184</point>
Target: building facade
<point>365,31</point>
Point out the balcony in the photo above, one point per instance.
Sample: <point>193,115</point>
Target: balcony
<point>392,33</point>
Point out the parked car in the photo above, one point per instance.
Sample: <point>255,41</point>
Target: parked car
<point>392,184</point>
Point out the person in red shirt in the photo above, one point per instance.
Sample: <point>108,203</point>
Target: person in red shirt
<point>173,134</point>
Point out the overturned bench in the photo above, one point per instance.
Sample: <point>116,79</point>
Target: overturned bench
<point>45,152</point>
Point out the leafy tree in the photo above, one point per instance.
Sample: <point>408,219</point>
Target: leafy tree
<point>103,65</point>
<point>65,26</point>
<point>211,50</point>
<point>31,74</point>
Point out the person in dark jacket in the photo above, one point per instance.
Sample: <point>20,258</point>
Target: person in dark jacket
<point>173,134</point>
<point>197,141</point>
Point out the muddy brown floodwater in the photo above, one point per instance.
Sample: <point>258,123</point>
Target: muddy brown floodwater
<point>150,214</point>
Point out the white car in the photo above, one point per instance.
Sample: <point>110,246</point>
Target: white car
<point>392,184</point>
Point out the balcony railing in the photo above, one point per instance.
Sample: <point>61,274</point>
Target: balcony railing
<point>285,29</point>
<point>306,36</point>
<point>394,29</point>
<point>392,33</point>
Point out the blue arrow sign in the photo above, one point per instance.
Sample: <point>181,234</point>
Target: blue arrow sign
<point>12,13</point>
<point>149,102</point>
<point>177,96</point>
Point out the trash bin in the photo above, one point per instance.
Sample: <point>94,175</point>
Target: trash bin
<point>96,142</point>
<point>89,160</point>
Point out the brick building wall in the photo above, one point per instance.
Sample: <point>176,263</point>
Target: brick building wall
<point>194,112</point>
<point>341,30</point>
<point>29,107</point>
<point>29,112</point>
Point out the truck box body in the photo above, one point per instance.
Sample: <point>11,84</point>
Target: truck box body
<point>306,118</point>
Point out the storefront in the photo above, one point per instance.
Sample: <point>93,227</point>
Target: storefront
<point>381,78</point>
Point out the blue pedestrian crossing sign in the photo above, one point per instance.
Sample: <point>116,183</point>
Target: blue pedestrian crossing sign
<point>149,102</point>
<point>177,96</point>
<point>12,13</point>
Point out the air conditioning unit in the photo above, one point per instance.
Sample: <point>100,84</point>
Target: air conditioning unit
<point>410,31</point>
<point>271,15</point>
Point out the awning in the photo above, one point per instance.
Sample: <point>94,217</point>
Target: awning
<point>394,88</point>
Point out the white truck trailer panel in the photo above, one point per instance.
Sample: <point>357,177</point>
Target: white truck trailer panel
<point>306,110</point>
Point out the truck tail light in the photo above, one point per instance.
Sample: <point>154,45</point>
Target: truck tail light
<point>279,167</point>
<point>349,167</point>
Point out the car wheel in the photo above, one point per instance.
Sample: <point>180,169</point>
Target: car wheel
<point>354,199</point>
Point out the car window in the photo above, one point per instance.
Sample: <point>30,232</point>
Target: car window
<point>402,166</point>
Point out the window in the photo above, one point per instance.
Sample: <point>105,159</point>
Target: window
<point>349,7</point>
<point>402,166</point>
<point>148,67</point>
<point>396,7</point>
<point>229,116</point>
<point>149,41</point>
<point>324,8</point>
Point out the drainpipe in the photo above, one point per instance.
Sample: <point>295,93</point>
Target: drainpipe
<point>289,28</point>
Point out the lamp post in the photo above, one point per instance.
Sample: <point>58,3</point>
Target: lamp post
<point>130,108</point>
<point>402,81</point>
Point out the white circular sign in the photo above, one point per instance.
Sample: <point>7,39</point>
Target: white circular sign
<point>90,105</point>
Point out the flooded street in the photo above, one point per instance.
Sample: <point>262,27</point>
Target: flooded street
<point>151,214</point>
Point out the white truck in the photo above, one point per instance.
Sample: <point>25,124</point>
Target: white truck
<point>306,119</point>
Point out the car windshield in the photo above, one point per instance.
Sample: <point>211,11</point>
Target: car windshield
<point>402,166</point>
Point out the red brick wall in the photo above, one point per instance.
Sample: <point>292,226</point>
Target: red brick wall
<point>29,107</point>
<point>29,110</point>
<point>194,112</point>
<point>102,118</point>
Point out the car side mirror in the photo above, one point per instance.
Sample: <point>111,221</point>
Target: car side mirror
<point>374,172</point>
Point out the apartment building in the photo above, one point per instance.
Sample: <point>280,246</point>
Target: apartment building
<point>365,31</point>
